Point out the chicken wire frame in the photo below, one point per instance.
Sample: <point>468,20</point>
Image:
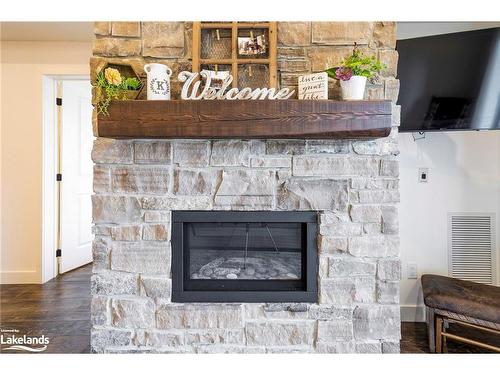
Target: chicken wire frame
<point>235,61</point>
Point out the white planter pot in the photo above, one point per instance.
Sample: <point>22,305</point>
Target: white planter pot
<point>354,89</point>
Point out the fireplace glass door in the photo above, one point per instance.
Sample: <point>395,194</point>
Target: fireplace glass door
<point>243,256</point>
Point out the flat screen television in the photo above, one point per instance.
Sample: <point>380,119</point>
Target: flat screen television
<point>450,81</point>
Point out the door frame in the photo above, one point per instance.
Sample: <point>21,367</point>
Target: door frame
<point>49,170</point>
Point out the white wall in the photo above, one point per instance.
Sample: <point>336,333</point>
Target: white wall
<point>464,176</point>
<point>407,30</point>
<point>23,66</point>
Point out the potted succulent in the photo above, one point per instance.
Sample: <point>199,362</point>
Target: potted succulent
<point>111,85</point>
<point>353,74</point>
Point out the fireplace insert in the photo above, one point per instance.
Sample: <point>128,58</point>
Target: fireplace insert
<point>244,256</point>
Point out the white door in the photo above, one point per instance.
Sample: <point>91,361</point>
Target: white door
<point>76,168</point>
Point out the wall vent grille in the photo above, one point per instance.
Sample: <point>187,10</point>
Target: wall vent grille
<point>472,247</point>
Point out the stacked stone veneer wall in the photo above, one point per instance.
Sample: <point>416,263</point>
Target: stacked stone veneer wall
<point>352,184</point>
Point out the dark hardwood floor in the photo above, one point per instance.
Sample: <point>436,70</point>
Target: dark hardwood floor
<point>60,309</point>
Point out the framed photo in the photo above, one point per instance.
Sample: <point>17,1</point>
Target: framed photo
<point>248,46</point>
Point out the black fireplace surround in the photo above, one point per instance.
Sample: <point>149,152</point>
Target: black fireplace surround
<point>244,256</point>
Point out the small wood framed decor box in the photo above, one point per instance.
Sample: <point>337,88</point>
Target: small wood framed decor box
<point>246,50</point>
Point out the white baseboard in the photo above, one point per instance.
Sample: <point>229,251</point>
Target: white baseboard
<point>19,277</point>
<point>412,313</point>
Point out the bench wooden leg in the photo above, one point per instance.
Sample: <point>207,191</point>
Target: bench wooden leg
<point>431,323</point>
<point>439,336</point>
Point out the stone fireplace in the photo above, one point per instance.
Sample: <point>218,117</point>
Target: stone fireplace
<point>142,189</point>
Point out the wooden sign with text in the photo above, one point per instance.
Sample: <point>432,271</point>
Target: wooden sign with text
<point>313,86</point>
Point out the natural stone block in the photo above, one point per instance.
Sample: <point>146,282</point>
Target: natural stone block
<point>256,311</point>
<point>126,233</point>
<point>347,267</point>
<point>391,347</point>
<point>155,232</point>
<point>285,147</point>
<point>331,245</point>
<point>391,89</point>
<point>346,347</point>
<point>112,151</point>
<point>323,58</point>
<point>215,336</point>
<point>368,348</point>
<point>102,179</point>
<point>390,223</point>
<point>164,338</point>
<point>372,228</point>
<point>376,322</point>
<point>390,60</point>
<point>327,147</point>
<point>291,53</point>
<point>152,180</point>
<point>346,292</point>
<point>382,146</point>
<point>341,33</point>
<point>325,312</point>
<point>116,47</point>
<point>199,316</point>
<point>109,282</point>
<point>141,257</point>
<point>374,183</point>
<point>229,349</point>
<point>294,33</point>
<point>313,194</point>
<point>102,230</point>
<point>191,182</point>
<point>280,333</point>
<point>163,39</point>
<point>293,65</point>
<point>232,153</point>
<point>131,29</point>
<point>152,152</point>
<point>376,196</point>
<point>102,28</point>
<point>99,310</point>
<point>384,34</point>
<point>100,254</point>
<point>365,214</point>
<point>315,165</point>
<point>155,286</point>
<point>388,292</point>
<point>102,338</point>
<point>389,269</point>
<point>191,153</point>
<point>271,162</point>
<point>341,229</point>
<point>132,313</point>
<point>156,216</point>
<point>374,246</point>
<point>389,168</point>
<point>115,209</point>
<point>177,203</point>
<point>244,202</point>
<point>246,182</point>
<point>335,330</point>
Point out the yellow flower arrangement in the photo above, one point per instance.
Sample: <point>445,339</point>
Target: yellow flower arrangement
<point>113,76</point>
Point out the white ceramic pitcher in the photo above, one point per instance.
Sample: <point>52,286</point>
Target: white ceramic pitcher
<point>158,81</point>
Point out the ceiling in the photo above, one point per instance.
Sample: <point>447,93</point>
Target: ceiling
<point>83,31</point>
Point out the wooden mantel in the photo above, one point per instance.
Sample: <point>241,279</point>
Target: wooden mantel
<point>211,119</point>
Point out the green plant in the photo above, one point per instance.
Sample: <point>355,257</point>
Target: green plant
<point>112,86</point>
<point>356,64</point>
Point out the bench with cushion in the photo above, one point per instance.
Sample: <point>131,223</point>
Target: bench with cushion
<point>463,302</point>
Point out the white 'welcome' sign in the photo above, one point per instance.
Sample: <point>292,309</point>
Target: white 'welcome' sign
<point>313,86</point>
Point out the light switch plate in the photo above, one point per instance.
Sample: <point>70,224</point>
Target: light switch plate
<point>423,174</point>
<point>412,271</point>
